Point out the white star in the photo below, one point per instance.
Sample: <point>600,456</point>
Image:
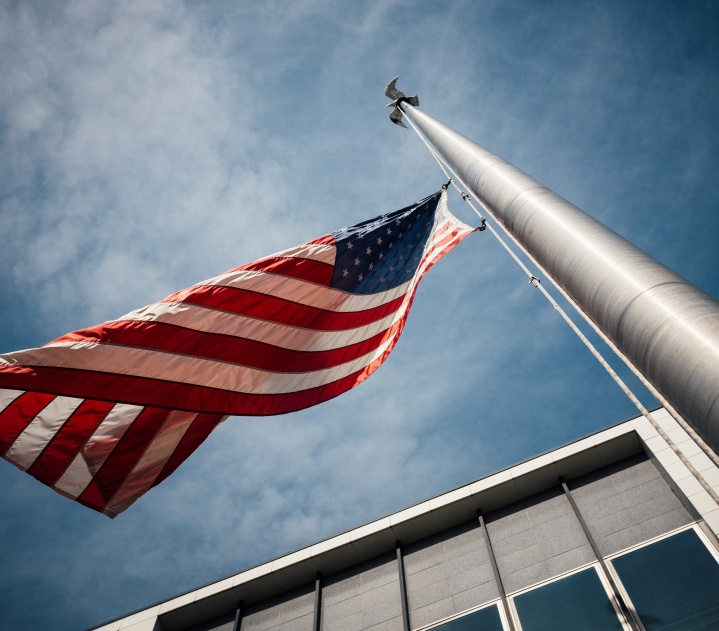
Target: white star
<point>349,245</point>
<point>379,240</point>
<point>380,255</point>
<point>371,266</point>
<point>391,268</point>
<point>381,279</point>
<point>359,278</point>
<point>357,261</point>
<point>369,251</point>
<point>390,245</point>
<point>345,273</point>
<point>389,230</point>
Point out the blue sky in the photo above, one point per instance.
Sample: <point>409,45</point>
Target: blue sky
<point>147,146</point>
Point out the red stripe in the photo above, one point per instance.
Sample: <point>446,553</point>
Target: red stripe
<point>303,269</point>
<point>142,391</point>
<point>19,414</point>
<point>169,338</point>
<point>273,309</point>
<point>123,458</point>
<point>63,448</point>
<point>195,435</point>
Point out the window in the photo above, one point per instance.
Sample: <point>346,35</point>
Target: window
<point>575,602</point>
<point>673,583</point>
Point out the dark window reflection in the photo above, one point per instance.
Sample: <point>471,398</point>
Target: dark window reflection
<point>673,584</point>
<point>574,603</point>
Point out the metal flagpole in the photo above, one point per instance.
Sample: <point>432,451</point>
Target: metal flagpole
<point>665,326</point>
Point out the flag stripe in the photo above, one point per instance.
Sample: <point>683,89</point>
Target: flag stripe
<point>60,451</point>
<point>149,466</point>
<point>296,292</point>
<point>7,397</point>
<point>173,339</point>
<point>145,391</point>
<point>30,443</point>
<point>88,461</point>
<point>292,338</point>
<point>18,415</point>
<point>250,303</point>
<point>321,249</point>
<point>302,269</point>
<point>140,362</point>
<point>125,454</point>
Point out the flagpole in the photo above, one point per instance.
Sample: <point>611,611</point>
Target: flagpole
<point>666,327</point>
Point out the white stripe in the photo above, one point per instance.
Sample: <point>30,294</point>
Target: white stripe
<point>321,252</point>
<point>140,362</point>
<point>294,338</point>
<point>41,430</point>
<point>7,396</point>
<point>304,292</point>
<point>91,457</point>
<point>149,466</point>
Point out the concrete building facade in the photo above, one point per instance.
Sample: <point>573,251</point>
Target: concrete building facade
<point>612,531</point>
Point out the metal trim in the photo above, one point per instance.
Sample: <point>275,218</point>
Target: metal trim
<point>497,576</point>
<point>402,587</point>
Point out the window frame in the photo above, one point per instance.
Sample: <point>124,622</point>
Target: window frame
<point>492,603</point>
<point>615,575</point>
<point>587,566</point>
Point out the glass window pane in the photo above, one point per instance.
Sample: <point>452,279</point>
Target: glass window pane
<point>673,584</point>
<point>482,620</point>
<point>574,603</point>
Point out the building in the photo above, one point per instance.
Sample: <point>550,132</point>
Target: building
<point>609,532</point>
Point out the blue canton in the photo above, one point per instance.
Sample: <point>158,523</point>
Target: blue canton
<point>385,252</point>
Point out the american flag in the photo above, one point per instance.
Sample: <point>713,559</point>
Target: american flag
<point>103,414</point>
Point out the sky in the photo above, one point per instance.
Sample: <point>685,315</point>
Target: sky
<point>146,146</point>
